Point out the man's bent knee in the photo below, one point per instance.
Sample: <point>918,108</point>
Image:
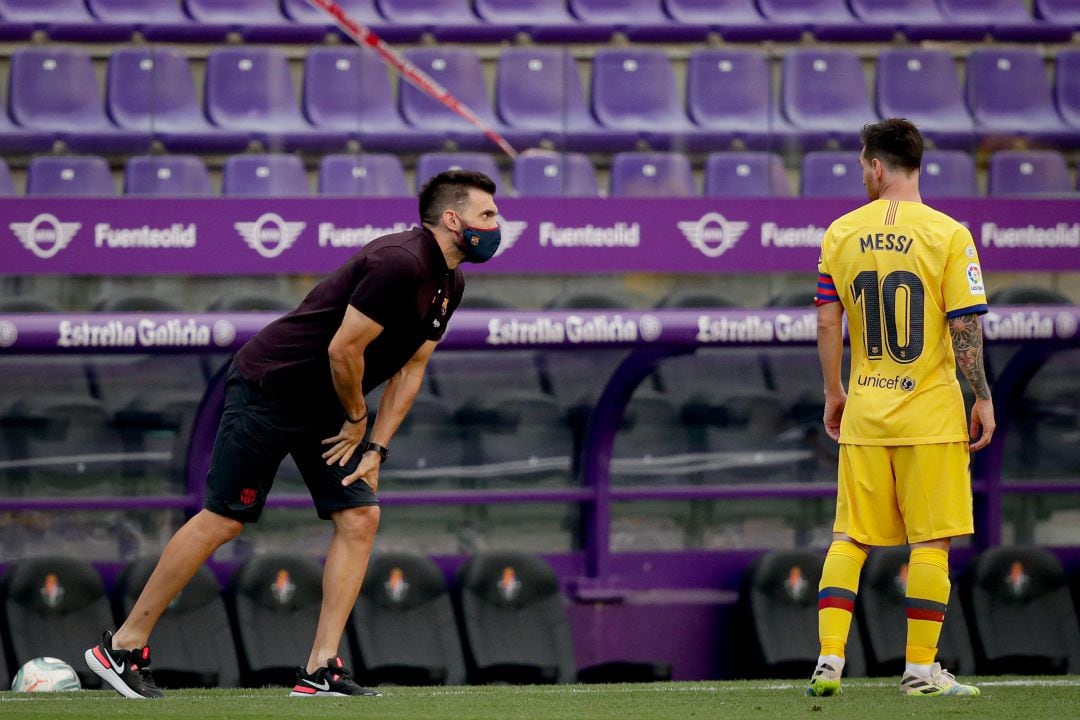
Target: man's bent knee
<point>361,522</point>
<point>223,528</point>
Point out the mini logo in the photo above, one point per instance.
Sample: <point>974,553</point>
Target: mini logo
<point>270,235</point>
<point>395,585</point>
<point>713,234</point>
<point>224,333</point>
<point>248,496</point>
<point>283,588</point>
<point>509,585</point>
<point>511,232</point>
<point>970,251</point>
<point>650,327</point>
<point>8,333</point>
<point>1018,579</point>
<point>907,384</point>
<point>901,579</point>
<point>974,278</point>
<point>52,592</point>
<point>45,235</point>
<point>795,583</point>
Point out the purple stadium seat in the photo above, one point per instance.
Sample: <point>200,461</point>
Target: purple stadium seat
<point>431,164</point>
<point>255,20</point>
<point>642,20</point>
<point>151,90</point>
<point>634,90</point>
<point>555,175</point>
<point>157,20</point>
<point>1030,172</point>
<point>745,174</point>
<point>12,30</point>
<point>449,20</point>
<point>729,96</point>
<point>7,185</point>
<point>947,173</point>
<point>917,19</point>
<point>649,174</point>
<point>167,175</point>
<point>348,90</point>
<point>265,176</point>
<point>539,90</point>
<point>460,72</point>
<point>832,174</point>
<point>85,175</point>
<point>15,139</point>
<point>734,20</point>
<point>1060,12</point>
<point>823,93</point>
<point>924,87</point>
<point>367,175</point>
<point>64,20</point>
<point>543,20</point>
<point>251,90</point>
<point>827,19</point>
<point>1067,86</point>
<point>55,89</point>
<point>1005,19</point>
<point>1009,94</point>
<point>364,12</point>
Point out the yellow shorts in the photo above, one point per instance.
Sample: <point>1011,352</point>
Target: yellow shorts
<point>892,495</point>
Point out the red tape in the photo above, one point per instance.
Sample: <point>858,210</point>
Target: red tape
<point>364,36</point>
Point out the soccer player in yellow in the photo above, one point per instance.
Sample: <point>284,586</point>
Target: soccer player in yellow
<point>909,279</point>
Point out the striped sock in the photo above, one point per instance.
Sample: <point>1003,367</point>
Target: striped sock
<point>836,595</point>
<point>927,597</point>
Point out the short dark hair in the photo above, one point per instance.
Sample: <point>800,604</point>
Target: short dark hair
<point>450,188</point>
<point>896,142</point>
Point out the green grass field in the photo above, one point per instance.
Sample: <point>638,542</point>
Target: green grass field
<point>877,699</point>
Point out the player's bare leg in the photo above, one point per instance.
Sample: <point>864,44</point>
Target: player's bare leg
<point>346,563</point>
<point>123,660</point>
<point>189,548</point>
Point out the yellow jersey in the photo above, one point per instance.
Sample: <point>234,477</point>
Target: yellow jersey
<point>901,270</point>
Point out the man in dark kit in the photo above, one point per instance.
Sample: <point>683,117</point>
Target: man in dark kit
<point>299,387</point>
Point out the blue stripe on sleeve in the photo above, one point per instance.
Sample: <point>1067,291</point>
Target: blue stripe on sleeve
<point>970,310</point>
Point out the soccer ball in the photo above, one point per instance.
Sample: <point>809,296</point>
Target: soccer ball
<point>45,674</point>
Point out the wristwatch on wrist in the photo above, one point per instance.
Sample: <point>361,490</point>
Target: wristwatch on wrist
<point>382,450</point>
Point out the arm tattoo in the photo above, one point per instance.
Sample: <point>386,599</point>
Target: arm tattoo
<point>967,341</point>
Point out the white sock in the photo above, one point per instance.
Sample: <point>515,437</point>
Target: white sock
<point>920,671</point>
<point>834,661</point>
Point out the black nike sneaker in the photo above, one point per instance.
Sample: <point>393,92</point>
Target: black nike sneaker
<point>126,671</point>
<point>334,680</point>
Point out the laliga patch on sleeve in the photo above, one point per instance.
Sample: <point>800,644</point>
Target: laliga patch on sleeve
<point>975,279</point>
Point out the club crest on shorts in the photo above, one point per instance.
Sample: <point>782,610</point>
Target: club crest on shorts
<point>248,496</point>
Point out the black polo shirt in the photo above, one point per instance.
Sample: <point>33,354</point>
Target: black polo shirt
<point>400,281</point>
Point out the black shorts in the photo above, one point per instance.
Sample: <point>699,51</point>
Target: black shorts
<point>255,435</point>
